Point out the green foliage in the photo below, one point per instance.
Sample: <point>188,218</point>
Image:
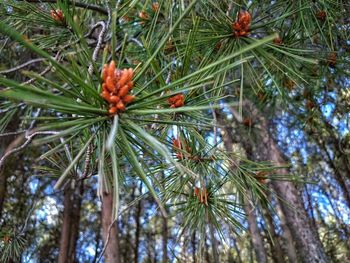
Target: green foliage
<point>188,48</point>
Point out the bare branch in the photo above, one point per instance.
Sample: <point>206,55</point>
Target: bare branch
<point>11,133</point>
<point>25,144</point>
<point>100,38</point>
<point>107,241</point>
<point>99,43</point>
<point>7,71</point>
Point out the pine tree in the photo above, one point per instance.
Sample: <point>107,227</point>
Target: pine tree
<point>139,91</point>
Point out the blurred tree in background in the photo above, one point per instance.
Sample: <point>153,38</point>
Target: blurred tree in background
<point>174,131</point>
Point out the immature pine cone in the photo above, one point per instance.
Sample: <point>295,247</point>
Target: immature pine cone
<point>57,15</point>
<point>177,101</point>
<point>116,86</point>
<point>242,25</point>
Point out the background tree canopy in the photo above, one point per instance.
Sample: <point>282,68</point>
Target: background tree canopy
<point>174,131</point>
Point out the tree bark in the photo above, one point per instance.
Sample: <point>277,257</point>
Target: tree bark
<point>276,250</point>
<point>256,239</point>
<point>70,226</point>
<point>109,230</point>
<point>138,227</point>
<point>165,239</point>
<point>306,238</point>
<point>287,235</point>
<point>214,244</point>
<point>239,259</point>
<point>6,144</point>
<point>255,235</point>
<point>193,244</point>
<point>337,174</point>
<point>127,244</point>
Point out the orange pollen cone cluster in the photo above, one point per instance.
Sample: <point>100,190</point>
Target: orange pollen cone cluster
<point>247,122</point>
<point>177,145</point>
<point>261,177</point>
<point>155,6</point>
<point>116,87</point>
<point>310,105</point>
<point>57,15</point>
<point>177,101</point>
<point>143,15</point>
<point>242,25</point>
<point>7,239</point>
<point>278,41</point>
<point>321,15</point>
<point>332,59</point>
<point>202,195</point>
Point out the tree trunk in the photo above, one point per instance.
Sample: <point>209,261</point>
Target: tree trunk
<point>239,259</point>
<point>257,241</point>
<point>214,244</point>
<point>165,239</point>
<point>255,235</point>
<point>127,245</point>
<point>287,235</point>
<point>70,226</point>
<point>109,230</point>
<point>193,244</point>
<point>276,250</point>
<point>306,238</point>
<point>6,144</point>
<point>337,175</point>
<point>3,188</point>
<point>138,227</point>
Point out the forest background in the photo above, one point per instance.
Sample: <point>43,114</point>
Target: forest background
<point>174,131</point>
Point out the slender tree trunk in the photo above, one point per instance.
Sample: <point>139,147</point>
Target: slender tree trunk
<point>214,244</point>
<point>337,214</point>
<point>97,242</point>
<point>337,175</point>
<point>70,226</point>
<point>334,140</point>
<point>309,206</point>
<point>165,239</point>
<point>276,250</point>
<point>287,235</point>
<point>6,144</point>
<point>206,251</point>
<point>257,241</point>
<point>109,230</point>
<point>306,238</point>
<point>164,235</point>
<point>127,241</point>
<point>193,244</point>
<point>239,259</point>
<point>255,235</point>
<point>3,188</point>
<point>138,227</point>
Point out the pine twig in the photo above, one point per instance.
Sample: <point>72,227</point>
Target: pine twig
<point>25,144</point>
<point>7,71</point>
